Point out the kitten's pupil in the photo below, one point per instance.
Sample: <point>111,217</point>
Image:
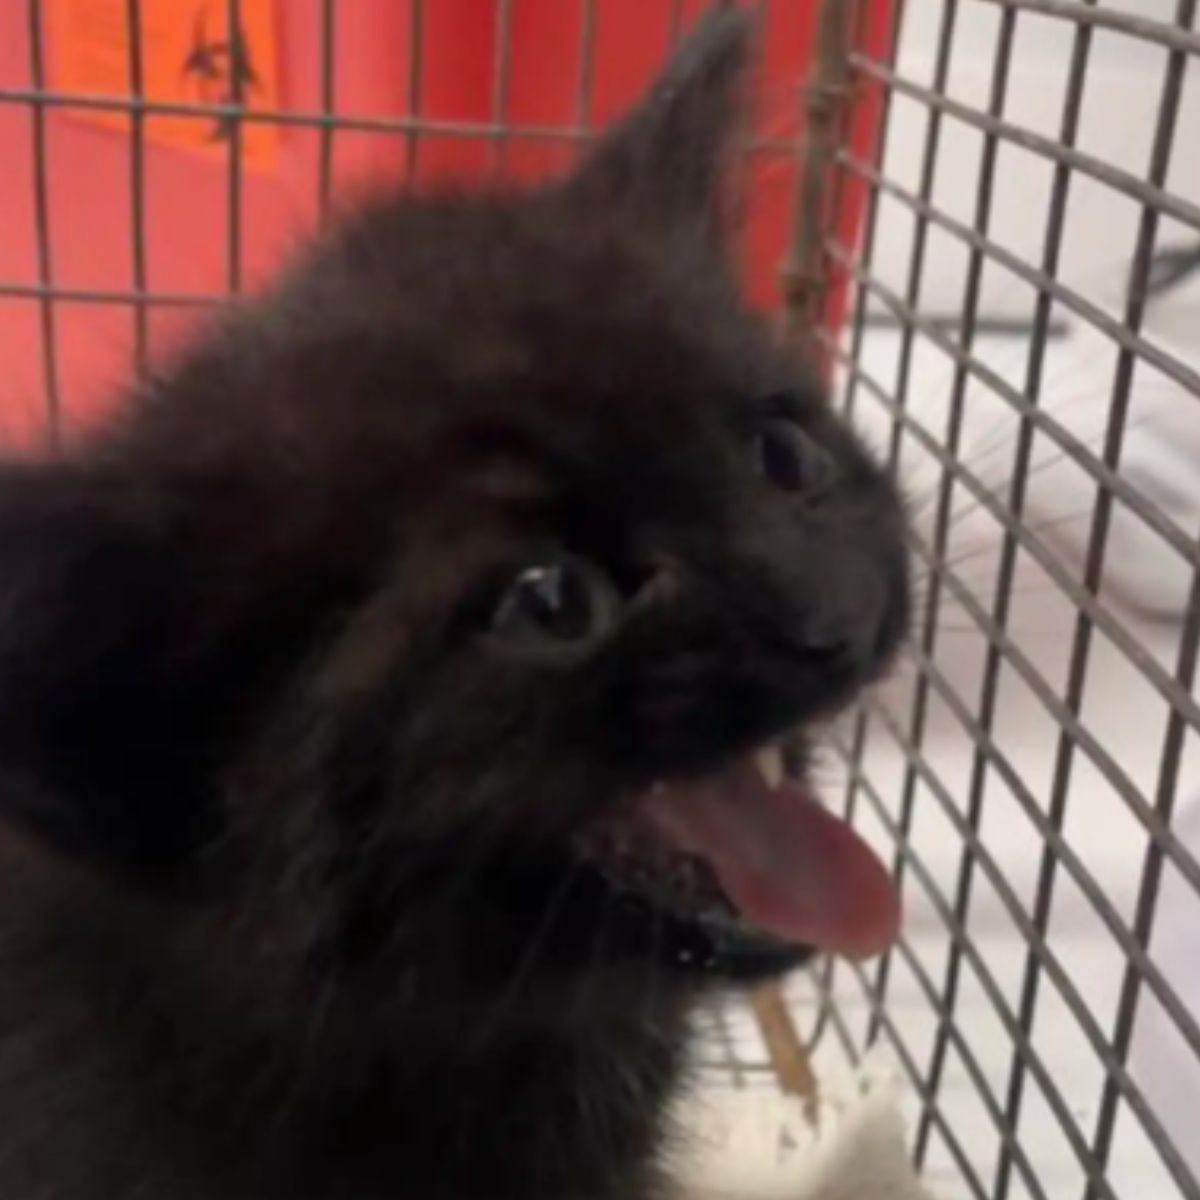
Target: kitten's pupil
<point>791,460</point>
<point>551,599</point>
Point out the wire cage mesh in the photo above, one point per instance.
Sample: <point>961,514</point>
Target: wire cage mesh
<point>233,146</point>
<point>983,227</point>
<point>1033,183</point>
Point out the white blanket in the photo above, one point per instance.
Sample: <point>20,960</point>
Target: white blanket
<point>759,1145</point>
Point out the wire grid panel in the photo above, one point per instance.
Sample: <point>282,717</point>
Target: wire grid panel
<point>1022,349</point>
<point>142,190</point>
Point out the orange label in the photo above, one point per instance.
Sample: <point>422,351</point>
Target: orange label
<point>187,58</point>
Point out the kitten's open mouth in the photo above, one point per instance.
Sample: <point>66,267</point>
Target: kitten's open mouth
<point>754,854</point>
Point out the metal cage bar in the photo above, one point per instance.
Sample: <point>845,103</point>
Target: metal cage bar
<point>328,107</point>
<point>41,201</point>
<point>137,182</point>
<point>233,127</point>
<point>39,96</point>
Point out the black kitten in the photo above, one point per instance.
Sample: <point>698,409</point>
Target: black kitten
<point>382,704</point>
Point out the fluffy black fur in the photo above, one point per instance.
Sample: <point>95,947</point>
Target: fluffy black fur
<point>290,897</point>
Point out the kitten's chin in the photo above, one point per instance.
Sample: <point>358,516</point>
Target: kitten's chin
<point>746,871</point>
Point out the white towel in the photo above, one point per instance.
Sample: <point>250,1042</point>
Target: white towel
<point>759,1145</point>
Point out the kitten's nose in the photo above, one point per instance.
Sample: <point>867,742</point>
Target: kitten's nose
<point>845,631</point>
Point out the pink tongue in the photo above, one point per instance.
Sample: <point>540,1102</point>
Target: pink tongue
<point>789,866</point>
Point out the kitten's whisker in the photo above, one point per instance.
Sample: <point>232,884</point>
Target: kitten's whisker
<point>1013,352</point>
<point>595,952</point>
<point>1021,631</point>
<point>650,991</point>
<point>923,499</point>
<point>975,552</point>
<point>469,859</point>
<point>1012,421</point>
<point>291,1101</point>
<point>528,960</point>
<point>1031,472</point>
<point>981,591</point>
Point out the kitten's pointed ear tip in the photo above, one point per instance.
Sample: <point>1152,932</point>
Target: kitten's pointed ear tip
<point>661,163</point>
<point>719,44</point>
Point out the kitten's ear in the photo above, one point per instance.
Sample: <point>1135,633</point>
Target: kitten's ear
<point>664,163</point>
<point>84,595</point>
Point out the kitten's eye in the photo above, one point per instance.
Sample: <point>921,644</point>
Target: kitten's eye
<point>563,601</point>
<point>787,457</point>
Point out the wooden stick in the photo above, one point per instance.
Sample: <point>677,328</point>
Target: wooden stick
<point>789,1056</point>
